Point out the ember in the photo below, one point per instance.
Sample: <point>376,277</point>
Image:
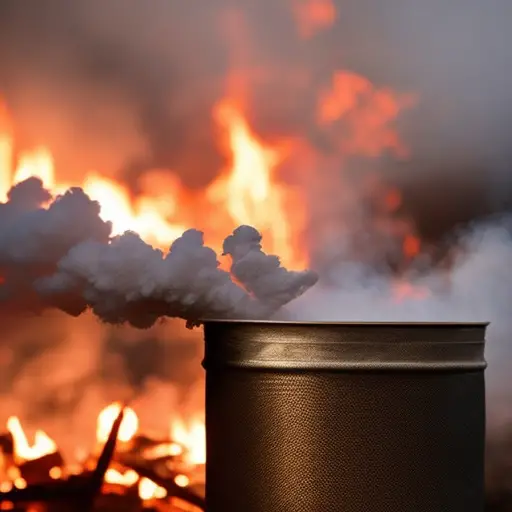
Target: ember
<point>140,474</point>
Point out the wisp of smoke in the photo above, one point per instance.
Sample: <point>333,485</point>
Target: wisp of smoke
<point>477,286</point>
<point>60,253</point>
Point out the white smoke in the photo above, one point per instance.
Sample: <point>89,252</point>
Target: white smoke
<point>62,255</point>
<point>261,274</point>
<point>476,287</point>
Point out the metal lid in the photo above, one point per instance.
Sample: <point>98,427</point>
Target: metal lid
<point>373,346</point>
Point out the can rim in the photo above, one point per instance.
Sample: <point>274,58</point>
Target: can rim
<point>342,323</point>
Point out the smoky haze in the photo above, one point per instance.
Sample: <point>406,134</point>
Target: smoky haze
<point>129,87</point>
<point>126,85</point>
<point>133,86</point>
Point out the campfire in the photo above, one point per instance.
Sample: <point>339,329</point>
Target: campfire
<point>125,470</point>
<point>218,153</point>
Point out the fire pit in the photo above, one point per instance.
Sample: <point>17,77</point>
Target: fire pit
<point>129,471</point>
<point>353,417</point>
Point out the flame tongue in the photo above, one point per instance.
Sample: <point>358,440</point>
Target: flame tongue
<point>155,216</point>
<point>189,437</point>
<point>106,419</point>
<point>59,253</point>
<point>188,444</point>
<point>43,444</point>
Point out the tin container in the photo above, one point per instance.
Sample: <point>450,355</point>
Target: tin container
<point>344,417</point>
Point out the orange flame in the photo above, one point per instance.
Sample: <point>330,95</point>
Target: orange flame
<point>247,193</point>
<point>148,490</point>
<point>250,191</point>
<point>367,111</point>
<point>38,162</point>
<point>6,156</point>
<point>106,418</point>
<point>163,450</point>
<point>43,444</point>
<point>126,479</point>
<point>192,436</point>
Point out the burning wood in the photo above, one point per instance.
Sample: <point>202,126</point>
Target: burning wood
<point>131,472</point>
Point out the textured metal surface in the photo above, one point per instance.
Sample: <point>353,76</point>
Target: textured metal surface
<point>345,346</point>
<point>342,439</point>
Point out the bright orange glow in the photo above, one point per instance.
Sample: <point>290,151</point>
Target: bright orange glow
<point>126,479</point>
<point>6,155</point>
<point>366,111</point>
<point>411,246</point>
<point>192,436</point>
<point>6,152</point>
<point>55,473</point>
<point>43,444</point>
<point>5,486</point>
<point>163,450</point>
<point>313,16</point>
<point>13,473</point>
<point>106,418</point>
<point>403,290</point>
<point>36,163</point>
<point>20,483</point>
<point>247,192</point>
<point>181,480</point>
<point>144,216</point>
<point>148,490</point>
<point>249,189</point>
<point>353,116</point>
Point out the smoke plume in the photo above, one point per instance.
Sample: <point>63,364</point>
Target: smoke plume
<point>475,287</point>
<point>63,256</point>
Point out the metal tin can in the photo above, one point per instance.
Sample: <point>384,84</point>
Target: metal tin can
<point>344,417</point>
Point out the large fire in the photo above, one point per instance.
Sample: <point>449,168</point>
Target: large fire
<point>248,192</point>
<point>252,189</point>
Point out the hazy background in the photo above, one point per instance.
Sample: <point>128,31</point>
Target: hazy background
<point>125,85</point>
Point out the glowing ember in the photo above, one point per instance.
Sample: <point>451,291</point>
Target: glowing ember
<point>191,446</point>
<point>149,490</point>
<point>5,486</point>
<point>106,419</point>
<point>193,437</point>
<point>55,473</point>
<point>43,444</point>
<point>182,480</point>
<point>126,479</point>
<point>163,450</point>
<point>20,483</point>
